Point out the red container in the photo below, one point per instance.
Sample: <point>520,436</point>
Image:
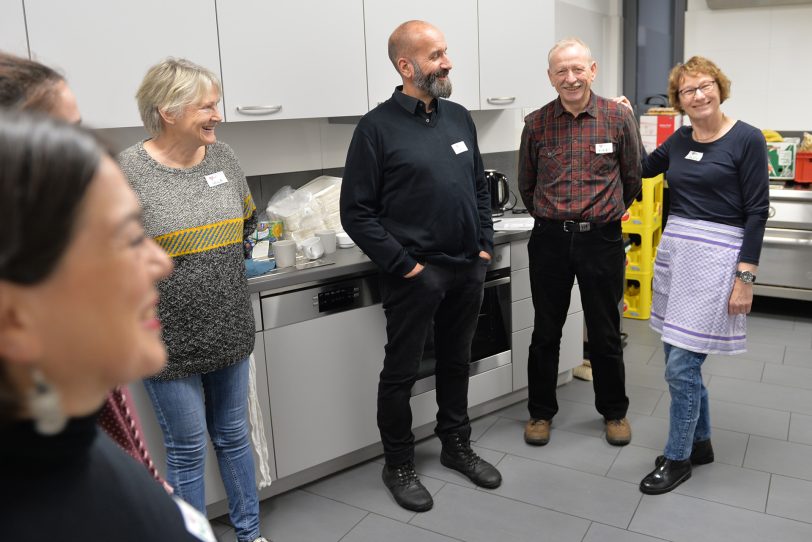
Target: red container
<point>803,167</point>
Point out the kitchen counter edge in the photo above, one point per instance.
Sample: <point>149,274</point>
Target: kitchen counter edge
<point>344,262</point>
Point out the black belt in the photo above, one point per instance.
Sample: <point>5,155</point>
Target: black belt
<point>574,226</point>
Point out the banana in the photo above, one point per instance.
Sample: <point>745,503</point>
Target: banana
<point>772,135</point>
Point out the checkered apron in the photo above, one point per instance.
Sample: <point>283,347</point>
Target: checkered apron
<point>693,277</point>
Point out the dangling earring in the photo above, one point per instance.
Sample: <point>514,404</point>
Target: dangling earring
<point>43,403</point>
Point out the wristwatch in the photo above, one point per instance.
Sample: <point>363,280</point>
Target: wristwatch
<point>746,277</point>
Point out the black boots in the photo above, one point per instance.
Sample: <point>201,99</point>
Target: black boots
<point>458,455</point>
<point>668,475</point>
<point>701,454</point>
<point>405,486</point>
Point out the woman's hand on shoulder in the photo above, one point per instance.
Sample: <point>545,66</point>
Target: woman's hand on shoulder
<point>623,100</point>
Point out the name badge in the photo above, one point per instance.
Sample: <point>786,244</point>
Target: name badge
<point>693,155</point>
<point>459,147</point>
<point>195,522</point>
<point>604,148</point>
<point>216,178</point>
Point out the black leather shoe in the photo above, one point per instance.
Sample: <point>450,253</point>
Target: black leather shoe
<point>458,455</point>
<point>666,477</point>
<point>405,487</point>
<point>701,454</point>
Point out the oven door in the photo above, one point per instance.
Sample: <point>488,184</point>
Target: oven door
<point>491,345</point>
<point>785,263</point>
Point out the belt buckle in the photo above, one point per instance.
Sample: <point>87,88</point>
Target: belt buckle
<point>573,226</point>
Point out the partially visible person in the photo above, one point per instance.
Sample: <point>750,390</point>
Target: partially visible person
<point>198,207</point>
<point>77,317</point>
<point>707,260</point>
<point>415,200</point>
<point>579,170</point>
<point>26,85</point>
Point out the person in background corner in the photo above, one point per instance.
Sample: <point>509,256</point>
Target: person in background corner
<point>198,207</point>
<point>77,317</point>
<point>707,260</point>
<point>26,85</point>
<point>415,200</point>
<point>579,170</point>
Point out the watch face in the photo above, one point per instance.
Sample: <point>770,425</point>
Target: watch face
<point>746,276</point>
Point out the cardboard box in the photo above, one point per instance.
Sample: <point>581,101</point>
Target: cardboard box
<point>655,129</point>
<point>781,158</point>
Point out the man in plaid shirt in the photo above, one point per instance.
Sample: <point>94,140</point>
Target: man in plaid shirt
<point>579,169</point>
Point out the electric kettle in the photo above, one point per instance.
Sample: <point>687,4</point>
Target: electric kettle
<point>500,193</point>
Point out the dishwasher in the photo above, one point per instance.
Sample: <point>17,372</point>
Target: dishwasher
<point>324,349</point>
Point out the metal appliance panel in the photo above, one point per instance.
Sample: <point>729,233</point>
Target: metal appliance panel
<point>786,258</point>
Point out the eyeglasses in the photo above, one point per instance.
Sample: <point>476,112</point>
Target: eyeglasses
<point>690,92</point>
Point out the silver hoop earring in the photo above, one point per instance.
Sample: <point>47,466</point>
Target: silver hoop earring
<point>43,403</point>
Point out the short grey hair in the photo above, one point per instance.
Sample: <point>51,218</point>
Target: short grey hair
<point>171,85</point>
<point>569,42</point>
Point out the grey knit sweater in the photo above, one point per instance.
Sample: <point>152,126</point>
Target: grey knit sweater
<point>202,223</point>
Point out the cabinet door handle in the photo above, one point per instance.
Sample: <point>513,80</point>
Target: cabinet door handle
<point>258,109</point>
<point>503,100</point>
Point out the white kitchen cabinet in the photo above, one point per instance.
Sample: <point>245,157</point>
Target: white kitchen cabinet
<point>457,19</point>
<point>104,48</point>
<point>514,38</point>
<point>284,60</point>
<point>12,28</point>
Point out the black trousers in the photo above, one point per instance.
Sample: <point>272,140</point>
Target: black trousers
<point>597,259</point>
<point>444,299</point>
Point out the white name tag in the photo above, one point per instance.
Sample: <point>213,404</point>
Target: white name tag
<point>604,148</point>
<point>216,178</point>
<point>693,155</point>
<point>195,522</point>
<point>459,147</point>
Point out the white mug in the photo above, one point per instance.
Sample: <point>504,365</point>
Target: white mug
<point>312,248</point>
<point>284,252</point>
<point>328,239</point>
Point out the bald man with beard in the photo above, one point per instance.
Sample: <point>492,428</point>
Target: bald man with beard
<point>415,200</point>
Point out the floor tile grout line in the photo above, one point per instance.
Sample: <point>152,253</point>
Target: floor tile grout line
<point>354,526</point>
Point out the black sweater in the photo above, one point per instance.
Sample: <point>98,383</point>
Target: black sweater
<point>414,187</point>
<point>724,181</point>
<point>78,485</point>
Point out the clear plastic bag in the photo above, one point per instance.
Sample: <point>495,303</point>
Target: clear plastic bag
<point>313,207</point>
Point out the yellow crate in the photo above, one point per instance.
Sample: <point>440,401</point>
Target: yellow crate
<point>640,258</point>
<point>647,211</point>
<point>637,296</point>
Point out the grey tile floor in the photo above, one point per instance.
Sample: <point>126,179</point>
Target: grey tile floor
<point>579,488</point>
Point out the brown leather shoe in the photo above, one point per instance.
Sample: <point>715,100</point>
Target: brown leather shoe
<point>618,432</point>
<point>537,432</point>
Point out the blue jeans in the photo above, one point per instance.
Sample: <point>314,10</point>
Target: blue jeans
<point>217,401</point>
<point>690,417</point>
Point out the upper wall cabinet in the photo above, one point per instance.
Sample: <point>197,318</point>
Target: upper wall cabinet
<point>514,38</point>
<point>284,60</point>
<point>457,19</point>
<point>12,28</point>
<point>104,48</point>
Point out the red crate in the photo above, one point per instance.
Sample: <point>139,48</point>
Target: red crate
<point>803,167</point>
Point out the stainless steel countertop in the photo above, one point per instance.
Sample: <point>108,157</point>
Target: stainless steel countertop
<point>344,262</point>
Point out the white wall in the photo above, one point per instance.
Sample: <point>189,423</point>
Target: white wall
<point>281,146</point>
<point>12,28</point>
<point>766,54</point>
<point>599,23</point>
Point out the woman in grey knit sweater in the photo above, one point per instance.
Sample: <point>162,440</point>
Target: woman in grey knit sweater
<point>197,206</point>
